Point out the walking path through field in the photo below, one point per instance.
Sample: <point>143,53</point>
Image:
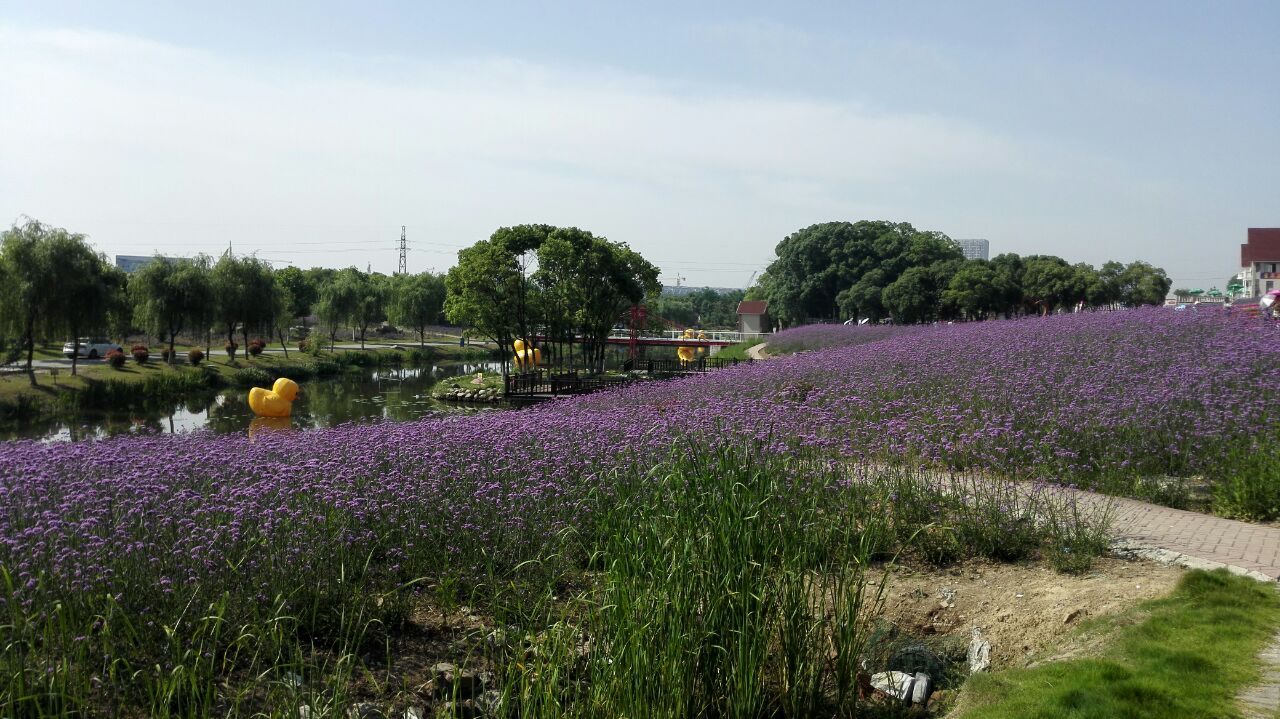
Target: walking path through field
<point>1193,539</point>
<point>1190,539</point>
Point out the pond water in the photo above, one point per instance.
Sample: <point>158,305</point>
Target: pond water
<point>388,393</point>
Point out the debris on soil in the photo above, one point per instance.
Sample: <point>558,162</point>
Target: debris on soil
<point>1018,608</point>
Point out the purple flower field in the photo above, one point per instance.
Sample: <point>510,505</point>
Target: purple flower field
<point>817,337</point>
<point>151,522</point>
<point>1072,398</point>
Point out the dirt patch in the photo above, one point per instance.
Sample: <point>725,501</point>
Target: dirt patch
<point>1019,608</point>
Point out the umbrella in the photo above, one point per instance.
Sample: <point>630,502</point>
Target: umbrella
<point>1269,299</point>
<point>1214,292</point>
<point>1196,292</point>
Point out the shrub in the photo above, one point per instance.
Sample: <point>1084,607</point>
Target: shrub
<point>195,357</point>
<point>140,353</point>
<point>305,345</point>
<point>256,346</point>
<point>231,348</point>
<point>252,377</point>
<point>116,359</point>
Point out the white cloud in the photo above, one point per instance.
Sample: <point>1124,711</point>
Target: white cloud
<point>150,146</point>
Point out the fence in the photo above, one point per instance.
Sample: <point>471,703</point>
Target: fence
<point>541,383</point>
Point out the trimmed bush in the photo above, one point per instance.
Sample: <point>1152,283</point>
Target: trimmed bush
<point>116,359</point>
<point>252,377</point>
<point>195,357</point>
<point>231,348</point>
<point>256,346</point>
<point>140,353</point>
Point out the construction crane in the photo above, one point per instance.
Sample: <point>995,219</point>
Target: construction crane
<point>751,279</point>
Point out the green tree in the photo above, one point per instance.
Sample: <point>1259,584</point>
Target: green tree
<point>87,289</point>
<point>817,264</point>
<point>977,290</point>
<point>244,290</point>
<point>370,307</point>
<point>482,291</point>
<point>913,297</point>
<point>416,302</point>
<point>337,303</point>
<point>31,280</point>
<point>1048,283</point>
<point>1010,268</point>
<point>169,297</point>
<point>303,291</point>
<point>679,310</point>
<point>1143,284</point>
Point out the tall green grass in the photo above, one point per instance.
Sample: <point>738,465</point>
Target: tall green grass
<point>719,583</point>
<point>725,588</point>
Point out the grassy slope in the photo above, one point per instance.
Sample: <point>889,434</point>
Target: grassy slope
<point>738,351</point>
<point>1188,658</point>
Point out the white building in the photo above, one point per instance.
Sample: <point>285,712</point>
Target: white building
<point>975,249</point>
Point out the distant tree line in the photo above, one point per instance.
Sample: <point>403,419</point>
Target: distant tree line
<point>53,284</point>
<point>875,270</point>
<point>548,285</point>
<point>704,307</point>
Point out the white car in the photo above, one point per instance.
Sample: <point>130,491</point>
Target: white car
<point>91,347</point>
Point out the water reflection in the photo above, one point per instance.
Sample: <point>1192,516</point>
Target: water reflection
<point>390,393</point>
<point>261,426</point>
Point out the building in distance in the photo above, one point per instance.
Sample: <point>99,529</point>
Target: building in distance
<point>133,263</point>
<point>752,316</point>
<point>1260,260</point>
<point>975,249</point>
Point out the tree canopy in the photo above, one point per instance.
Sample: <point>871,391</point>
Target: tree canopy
<point>834,268</point>
<point>555,281</point>
<point>417,302</point>
<point>170,296</point>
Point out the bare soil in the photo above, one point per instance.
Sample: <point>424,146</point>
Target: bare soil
<point>1021,609</point>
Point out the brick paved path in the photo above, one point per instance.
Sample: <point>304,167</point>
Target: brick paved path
<point>1193,539</point>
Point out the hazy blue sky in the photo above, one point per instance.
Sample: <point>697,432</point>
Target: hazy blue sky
<point>699,133</point>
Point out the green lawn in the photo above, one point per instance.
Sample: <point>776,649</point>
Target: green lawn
<point>738,351</point>
<point>1187,658</point>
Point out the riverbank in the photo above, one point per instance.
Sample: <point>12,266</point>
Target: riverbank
<point>100,387</point>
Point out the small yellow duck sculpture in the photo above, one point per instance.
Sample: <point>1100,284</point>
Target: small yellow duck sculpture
<point>276,402</point>
<point>686,354</point>
<point>526,359</point>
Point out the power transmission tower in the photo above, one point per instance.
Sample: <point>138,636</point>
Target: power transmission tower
<point>404,264</point>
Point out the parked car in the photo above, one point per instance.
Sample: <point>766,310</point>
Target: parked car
<point>91,347</point>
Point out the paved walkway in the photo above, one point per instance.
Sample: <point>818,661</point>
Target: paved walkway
<point>756,352</point>
<point>1192,539</point>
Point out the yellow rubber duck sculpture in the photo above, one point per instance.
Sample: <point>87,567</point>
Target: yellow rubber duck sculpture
<point>702,337</point>
<point>527,359</point>
<point>276,402</point>
<point>686,354</point>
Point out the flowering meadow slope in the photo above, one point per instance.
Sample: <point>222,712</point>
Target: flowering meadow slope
<point>135,552</point>
<point>1071,398</point>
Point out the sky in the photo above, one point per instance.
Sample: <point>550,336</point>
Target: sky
<point>701,134</point>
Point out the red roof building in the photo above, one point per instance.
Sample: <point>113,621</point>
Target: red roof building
<point>1260,260</point>
<point>751,315</point>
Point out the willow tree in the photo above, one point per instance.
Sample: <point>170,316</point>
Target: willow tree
<point>50,281</point>
<point>171,296</point>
